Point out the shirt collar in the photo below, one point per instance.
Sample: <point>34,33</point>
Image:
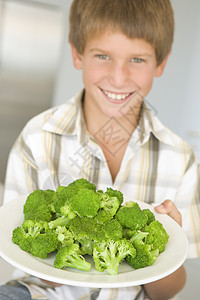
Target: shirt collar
<point>68,119</point>
<point>149,124</point>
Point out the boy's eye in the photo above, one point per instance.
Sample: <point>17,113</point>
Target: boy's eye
<point>137,60</point>
<point>103,56</point>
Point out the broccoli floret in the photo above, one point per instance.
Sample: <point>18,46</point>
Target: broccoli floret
<point>108,255</point>
<point>21,238</point>
<point>89,228</point>
<point>63,197</point>
<point>109,201</point>
<point>63,217</point>
<point>75,200</point>
<point>38,205</point>
<point>112,230</point>
<point>83,183</point>
<point>86,228</point>
<point>157,236</point>
<point>64,236</point>
<point>65,210</point>
<point>128,233</point>
<point>150,215</point>
<point>131,217</point>
<point>145,256</point>
<point>64,194</point>
<point>85,203</point>
<point>86,246</point>
<point>78,198</point>
<point>115,193</point>
<point>36,238</point>
<point>86,232</point>
<point>103,216</point>
<point>69,256</point>
<point>131,204</point>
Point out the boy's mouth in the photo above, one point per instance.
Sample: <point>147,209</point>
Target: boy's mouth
<point>116,96</point>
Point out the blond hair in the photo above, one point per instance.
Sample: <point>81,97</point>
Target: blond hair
<point>151,20</point>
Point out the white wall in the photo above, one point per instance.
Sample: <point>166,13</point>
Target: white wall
<point>69,80</point>
<point>176,95</point>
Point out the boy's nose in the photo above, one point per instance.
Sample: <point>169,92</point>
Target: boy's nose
<point>119,76</point>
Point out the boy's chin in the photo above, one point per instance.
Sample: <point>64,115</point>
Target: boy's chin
<point>116,113</point>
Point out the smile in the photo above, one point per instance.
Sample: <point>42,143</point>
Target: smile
<point>116,96</point>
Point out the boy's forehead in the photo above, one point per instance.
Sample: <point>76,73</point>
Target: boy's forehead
<point>111,38</point>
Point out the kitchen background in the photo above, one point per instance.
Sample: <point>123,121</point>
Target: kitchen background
<point>36,73</point>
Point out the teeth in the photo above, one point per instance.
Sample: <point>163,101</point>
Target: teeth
<point>116,96</point>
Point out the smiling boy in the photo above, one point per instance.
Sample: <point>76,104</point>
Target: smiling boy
<point>108,135</point>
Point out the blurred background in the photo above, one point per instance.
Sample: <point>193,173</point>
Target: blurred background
<point>36,73</point>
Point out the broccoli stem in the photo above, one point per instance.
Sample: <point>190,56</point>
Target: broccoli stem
<point>155,253</point>
<point>33,231</point>
<point>62,221</point>
<point>113,267</point>
<point>138,236</point>
<point>77,262</point>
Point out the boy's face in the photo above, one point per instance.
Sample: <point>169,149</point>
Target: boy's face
<point>116,70</point>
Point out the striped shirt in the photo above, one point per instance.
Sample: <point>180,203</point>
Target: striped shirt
<point>55,148</point>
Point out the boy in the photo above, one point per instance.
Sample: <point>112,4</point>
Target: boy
<point>107,134</point>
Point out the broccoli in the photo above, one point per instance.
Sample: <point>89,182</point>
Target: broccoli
<point>103,216</point>
<point>145,256</point>
<point>139,236</point>
<point>69,256</point>
<point>128,233</point>
<point>148,244</point>
<point>64,215</point>
<point>63,197</point>
<point>85,203</point>
<point>36,238</point>
<point>108,255</point>
<point>131,217</point>
<point>87,231</point>
<point>114,193</point>
<point>39,205</point>
<point>77,220</point>
<point>78,198</point>
<point>61,221</point>
<point>82,183</point>
<point>64,194</point>
<point>112,230</point>
<point>64,236</point>
<point>110,201</point>
<point>86,228</point>
<point>86,246</point>
<point>150,215</point>
<point>157,235</point>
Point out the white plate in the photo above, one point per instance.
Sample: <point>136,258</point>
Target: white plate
<point>11,216</point>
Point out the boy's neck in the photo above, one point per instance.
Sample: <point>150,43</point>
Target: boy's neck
<point>112,135</point>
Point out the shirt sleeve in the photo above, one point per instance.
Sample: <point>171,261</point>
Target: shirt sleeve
<point>21,174</point>
<point>188,203</point>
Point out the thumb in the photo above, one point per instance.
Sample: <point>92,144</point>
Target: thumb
<point>168,207</point>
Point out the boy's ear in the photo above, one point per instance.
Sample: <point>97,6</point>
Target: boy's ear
<point>77,58</point>
<point>161,67</point>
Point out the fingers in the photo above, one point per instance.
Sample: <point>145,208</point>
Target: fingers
<point>169,208</point>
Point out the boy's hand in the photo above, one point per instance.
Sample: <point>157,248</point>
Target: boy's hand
<point>169,208</point>
<point>53,284</point>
